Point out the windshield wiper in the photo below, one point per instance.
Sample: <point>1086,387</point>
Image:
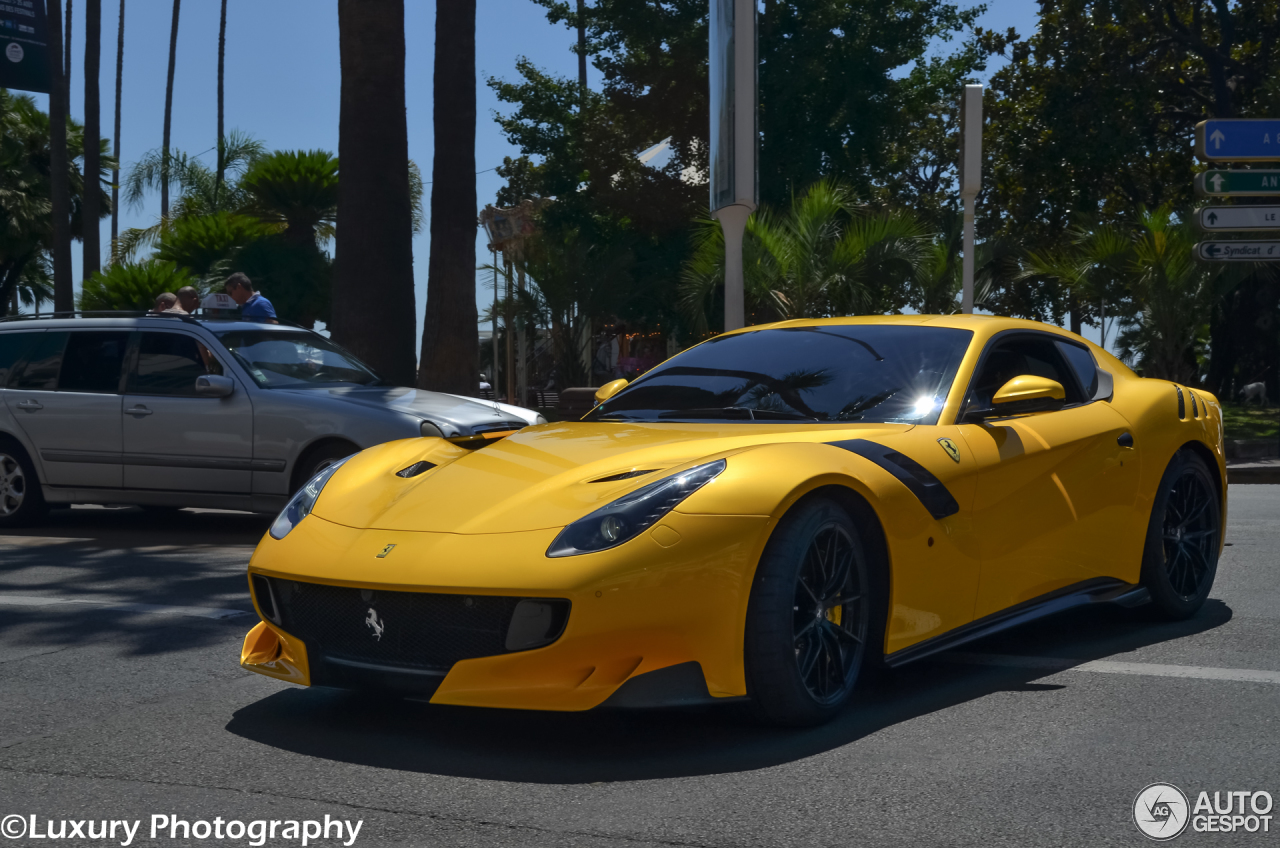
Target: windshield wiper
<point>750,414</point>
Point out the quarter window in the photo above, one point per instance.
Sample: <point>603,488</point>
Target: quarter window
<point>92,362</point>
<point>12,347</point>
<point>43,363</point>
<point>1082,363</point>
<point>169,363</point>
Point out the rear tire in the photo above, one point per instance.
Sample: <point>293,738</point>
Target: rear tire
<point>21,498</point>
<point>810,624</point>
<point>1184,538</point>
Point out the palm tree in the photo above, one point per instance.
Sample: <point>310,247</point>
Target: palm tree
<point>373,298</point>
<point>168,114</point>
<point>66,51</point>
<point>222,55</point>
<point>824,256</point>
<point>450,341</point>
<point>59,182</point>
<point>1091,266</point>
<point>115,173</point>
<point>92,124</point>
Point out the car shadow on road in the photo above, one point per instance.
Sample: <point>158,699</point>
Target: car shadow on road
<point>601,745</point>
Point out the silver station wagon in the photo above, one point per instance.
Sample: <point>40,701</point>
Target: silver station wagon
<point>176,411</point>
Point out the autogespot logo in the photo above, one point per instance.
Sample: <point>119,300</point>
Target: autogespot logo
<point>1160,811</point>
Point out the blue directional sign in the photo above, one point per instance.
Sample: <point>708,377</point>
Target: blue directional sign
<point>1238,140</point>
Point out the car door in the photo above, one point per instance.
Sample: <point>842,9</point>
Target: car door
<point>174,439</point>
<point>67,402</point>
<point>1057,490</point>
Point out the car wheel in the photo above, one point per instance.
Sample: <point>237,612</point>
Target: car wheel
<point>318,459</point>
<point>809,620</point>
<point>1184,537</point>
<point>21,500</point>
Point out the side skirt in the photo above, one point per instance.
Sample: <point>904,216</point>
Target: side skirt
<point>1101,590</point>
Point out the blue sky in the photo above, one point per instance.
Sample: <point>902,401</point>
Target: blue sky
<point>282,79</point>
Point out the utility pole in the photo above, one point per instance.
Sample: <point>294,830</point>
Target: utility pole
<point>970,180</point>
<point>734,139</point>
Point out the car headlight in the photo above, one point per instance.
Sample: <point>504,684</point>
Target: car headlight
<point>632,514</point>
<point>299,506</point>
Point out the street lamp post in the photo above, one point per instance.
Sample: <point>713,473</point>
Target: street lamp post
<point>734,139</point>
<point>970,181</point>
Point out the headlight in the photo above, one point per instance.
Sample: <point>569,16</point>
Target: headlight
<point>299,506</point>
<point>631,515</point>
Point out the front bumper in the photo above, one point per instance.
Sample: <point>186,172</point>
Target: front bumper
<point>675,595</point>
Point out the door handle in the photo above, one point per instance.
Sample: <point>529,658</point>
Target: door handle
<point>29,404</point>
<point>138,410</point>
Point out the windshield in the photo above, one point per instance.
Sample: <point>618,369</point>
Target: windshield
<point>281,360</point>
<point>871,373</point>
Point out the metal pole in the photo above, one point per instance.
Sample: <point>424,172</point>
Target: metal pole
<point>510,324</point>
<point>970,181</point>
<point>733,220</point>
<point>522,346</point>
<point>493,382</point>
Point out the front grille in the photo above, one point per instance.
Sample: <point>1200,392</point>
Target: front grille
<point>419,630</point>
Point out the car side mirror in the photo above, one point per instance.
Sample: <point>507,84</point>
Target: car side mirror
<point>1022,396</point>
<point>609,389</point>
<point>213,385</point>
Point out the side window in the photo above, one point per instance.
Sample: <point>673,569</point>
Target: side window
<point>1082,363</point>
<point>44,360</point>
<point>12,347</point>
<point>92,362</point>
<point>1019,356</point>
<point>169,363</point>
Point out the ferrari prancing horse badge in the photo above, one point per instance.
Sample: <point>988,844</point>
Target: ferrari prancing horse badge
<point>951,449</point>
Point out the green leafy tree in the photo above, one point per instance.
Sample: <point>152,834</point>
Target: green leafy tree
<point>132,286</point>
<point>822,257</point>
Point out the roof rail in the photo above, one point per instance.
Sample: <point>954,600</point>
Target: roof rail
<point>100,313</point>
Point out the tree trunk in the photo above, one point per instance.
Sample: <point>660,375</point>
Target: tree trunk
<point>91,210</point>
<point>582,52</point>
<point>66,56</point>
<point>373,303</point>
<point>115,173</point>
<point>450,341</point>
<point>59,184</point>
<point>222,55</point>
<point>168,114</point>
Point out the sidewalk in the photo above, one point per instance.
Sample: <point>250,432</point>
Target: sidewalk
<point>1261,470</point>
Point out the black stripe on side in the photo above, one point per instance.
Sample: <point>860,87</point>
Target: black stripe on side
<point>927,488</point>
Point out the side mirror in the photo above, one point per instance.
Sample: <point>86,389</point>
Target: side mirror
<point>213,385</point>
<point>1022,396</point>
<point>609,389</point>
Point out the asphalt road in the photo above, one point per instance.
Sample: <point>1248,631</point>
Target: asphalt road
<point>120,699</point>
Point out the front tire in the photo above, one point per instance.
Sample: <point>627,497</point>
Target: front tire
<point>21,499</point>
<point>809,620</point>
<point>1184,537</point>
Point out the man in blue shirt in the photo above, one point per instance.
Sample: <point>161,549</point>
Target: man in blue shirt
<point>253,306</point>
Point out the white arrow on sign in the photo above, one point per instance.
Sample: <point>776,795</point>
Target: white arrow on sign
<point>1220,219</point>
<point>1238,251</point>
<point>1217,182</point>
<point>1217,138</point>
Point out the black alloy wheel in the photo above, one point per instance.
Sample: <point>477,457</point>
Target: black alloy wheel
<point>810,628</point>
<point>830,630</point>
<point>1184,537</point>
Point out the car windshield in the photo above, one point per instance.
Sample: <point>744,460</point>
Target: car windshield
<point>279,359</point>
<point>870,373</point>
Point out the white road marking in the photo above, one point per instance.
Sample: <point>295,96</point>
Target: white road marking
<point>1195,672</point>
<point>153,609</point>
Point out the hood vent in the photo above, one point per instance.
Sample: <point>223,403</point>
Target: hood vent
<point>626,475</point>
<point>416,469</point>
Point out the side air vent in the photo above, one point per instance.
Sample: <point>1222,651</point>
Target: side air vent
<point>416,469</point>
<point>930,491</point>
<point>1182,404</point>
<point>1195,407</point>
<point>265,597</point>
<point>626,475</point>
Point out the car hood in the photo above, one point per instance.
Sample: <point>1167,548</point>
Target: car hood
<point>453,414</point>
<point>542,477</point>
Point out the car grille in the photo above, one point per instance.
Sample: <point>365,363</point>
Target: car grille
<point>420,630</point>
